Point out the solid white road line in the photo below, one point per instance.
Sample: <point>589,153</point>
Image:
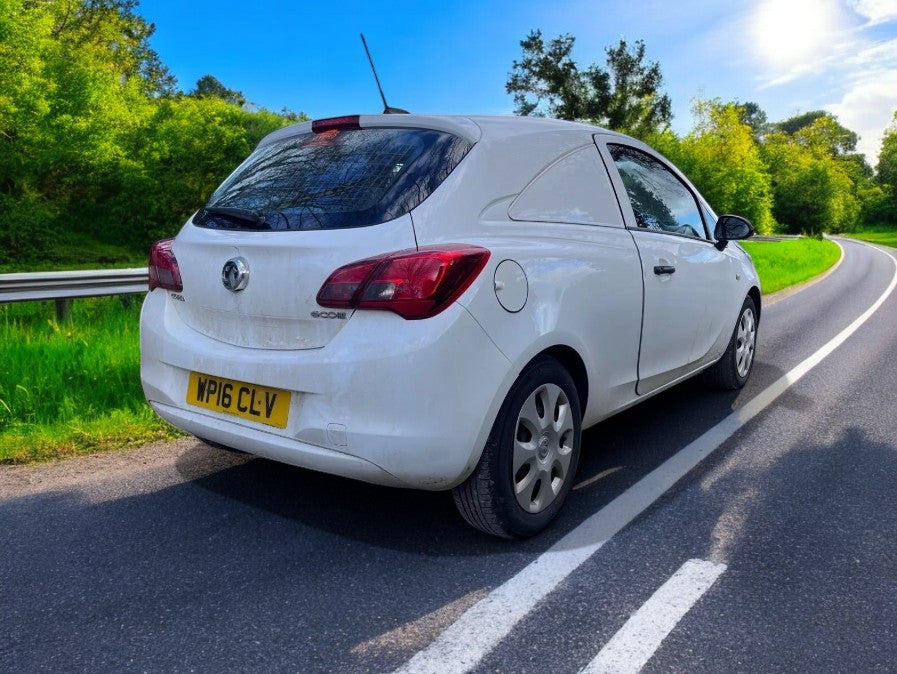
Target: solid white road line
<point>461,646</point>
<point>630,649</point>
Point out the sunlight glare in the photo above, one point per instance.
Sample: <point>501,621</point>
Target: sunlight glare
<point>788,35</point>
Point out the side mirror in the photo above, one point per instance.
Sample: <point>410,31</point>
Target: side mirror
<point>731,228</point>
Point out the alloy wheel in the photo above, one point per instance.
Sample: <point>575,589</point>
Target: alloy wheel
<point>745,339</point>
<point>543,447</point>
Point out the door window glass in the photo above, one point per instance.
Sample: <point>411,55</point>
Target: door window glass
<point>659,199</point>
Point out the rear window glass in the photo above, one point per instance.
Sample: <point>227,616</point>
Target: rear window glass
<point>336,179</point>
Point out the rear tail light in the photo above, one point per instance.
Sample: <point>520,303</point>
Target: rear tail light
<point>163,267</point>
<point>413,283</point>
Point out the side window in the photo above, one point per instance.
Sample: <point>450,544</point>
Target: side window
<point>575,189</point>
<point>659,200</point>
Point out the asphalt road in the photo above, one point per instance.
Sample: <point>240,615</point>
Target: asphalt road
<point>186,558</point>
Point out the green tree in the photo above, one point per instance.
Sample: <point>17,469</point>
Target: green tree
<point>812,191</point>
<point>752,114</point>
<point>820,182</point>
<point>187,147</point>
<point>73,87</point>
<point>857,168</point>
<point>113,28</point>
<point>826,139</point>
<point>94,143</point>
<point>722,159</point>
<point>887,156</point>
<point>546,81</point>
<point>886,206</point>
<point>624,95</point>
<point>877,205</point>
<point>820,131</point>
<point>28,112</point>
<point>209,86</point>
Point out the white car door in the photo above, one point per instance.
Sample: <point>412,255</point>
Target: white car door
<point>689,285</point>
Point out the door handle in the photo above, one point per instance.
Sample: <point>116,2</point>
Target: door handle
<point>661,269</point>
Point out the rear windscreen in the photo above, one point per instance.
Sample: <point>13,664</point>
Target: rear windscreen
<point>336,179</point>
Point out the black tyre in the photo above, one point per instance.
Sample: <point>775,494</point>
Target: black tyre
<point>530,459</point>
<point>733,369</point>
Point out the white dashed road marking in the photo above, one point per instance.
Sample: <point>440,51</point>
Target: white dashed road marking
<point>631,648</point>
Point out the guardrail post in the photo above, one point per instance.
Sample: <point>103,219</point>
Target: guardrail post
<point>63,310</point>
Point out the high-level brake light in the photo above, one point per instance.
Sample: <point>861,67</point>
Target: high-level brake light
<point>348,122</point>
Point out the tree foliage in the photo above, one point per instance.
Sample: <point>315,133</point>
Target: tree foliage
<point>722,158</point>
<point>885,205</point>
<point>209,86</point>
<point>813,193</point>
<point>95,139</point>
<point>623,96</point>
<point>820,131</point>
<point>887,158</point>
<point>210,136</point>
<point>753,115</point>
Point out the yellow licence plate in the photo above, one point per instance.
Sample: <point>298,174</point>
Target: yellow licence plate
<point>257,403</point>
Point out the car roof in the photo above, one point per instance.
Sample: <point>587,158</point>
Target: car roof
<point>471,127</point>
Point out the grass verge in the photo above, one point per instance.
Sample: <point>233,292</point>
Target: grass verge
<point>72,389</point>
<point>883,236</point>
<point>781,264</point>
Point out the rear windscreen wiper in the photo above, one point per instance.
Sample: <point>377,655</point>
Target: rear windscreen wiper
<point>234,213</point>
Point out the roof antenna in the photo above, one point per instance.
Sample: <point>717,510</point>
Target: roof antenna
<point>386,109</point>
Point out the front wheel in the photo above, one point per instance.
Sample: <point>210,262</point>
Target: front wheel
<point>530,459</point>
<point>732,370</point>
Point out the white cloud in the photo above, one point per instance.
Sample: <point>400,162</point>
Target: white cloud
<point>870,97</point>
<point>879,56</point>
<point>875,11</point>
<point>794,74</point>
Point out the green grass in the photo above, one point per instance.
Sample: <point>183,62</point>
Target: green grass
<point>884,236</point>
<point>72,388</point>
<point>786,263</point>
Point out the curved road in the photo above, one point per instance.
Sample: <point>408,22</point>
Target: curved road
<point>776,552</point>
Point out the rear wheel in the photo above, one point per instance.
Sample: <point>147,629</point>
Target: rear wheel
<point>732,370</point>
<point>529,461</point>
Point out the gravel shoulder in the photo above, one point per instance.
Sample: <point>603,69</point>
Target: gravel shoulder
<point>131,471</point>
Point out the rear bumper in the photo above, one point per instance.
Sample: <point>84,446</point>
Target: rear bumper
<point>272,446</point>
<point>388,401</point>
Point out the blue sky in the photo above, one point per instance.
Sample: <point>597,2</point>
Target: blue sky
<point>790,56</point>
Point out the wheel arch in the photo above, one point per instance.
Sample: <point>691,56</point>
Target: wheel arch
<point>754,294</point>
<point>571,361</point>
